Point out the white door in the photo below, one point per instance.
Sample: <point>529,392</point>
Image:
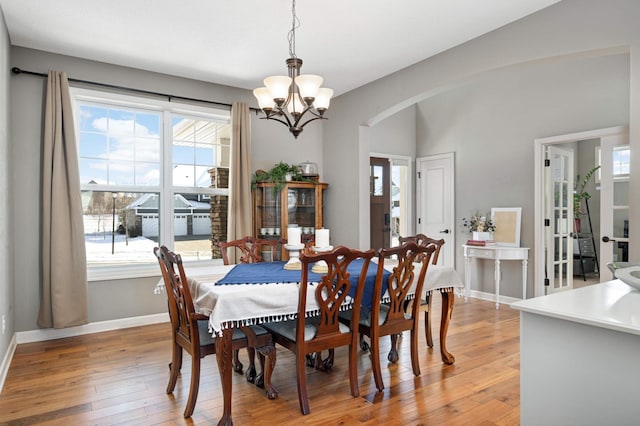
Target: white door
<point>558,202</point>
<point>614,202</point>
<point>435,201</point>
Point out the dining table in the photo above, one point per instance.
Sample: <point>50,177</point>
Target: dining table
<point>234,296</point>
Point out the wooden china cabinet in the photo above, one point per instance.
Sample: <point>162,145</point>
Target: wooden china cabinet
<point>297,203</point>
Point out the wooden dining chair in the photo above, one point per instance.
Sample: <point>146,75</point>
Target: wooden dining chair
<point>250,252</point>
<point>309,334</point>
<point>190,331</point>
<point>250,249</point>
<point>400,312</point>
<point>423,240</point>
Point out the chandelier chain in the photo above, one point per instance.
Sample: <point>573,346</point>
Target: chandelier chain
<point>295,23</point>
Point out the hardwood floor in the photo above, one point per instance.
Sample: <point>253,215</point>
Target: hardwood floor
<point>119,377</point>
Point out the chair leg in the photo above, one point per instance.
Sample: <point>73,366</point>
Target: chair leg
<point>195,385</point>
<point>174,367</point>
<point>363,343</point>
<point>237,365</point>
<point>393,352</point>
<point>301,380</point>
<point>310,360</point>
<point>315,360</point>
<point>251,370</point>
<point>415,363</point>
<point>427,322</point>
<point>353,370</point>
<point>375,362</point>
<point>260,379</point>
<point>327,363</point>
<point>264,378</point>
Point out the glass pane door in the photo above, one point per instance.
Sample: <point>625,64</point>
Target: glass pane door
<point>614,202</point>
<point>559,213</point>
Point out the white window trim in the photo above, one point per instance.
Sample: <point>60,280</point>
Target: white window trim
<point>109,273</point>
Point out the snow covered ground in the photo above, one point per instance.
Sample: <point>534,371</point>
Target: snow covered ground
<point>132,250</point>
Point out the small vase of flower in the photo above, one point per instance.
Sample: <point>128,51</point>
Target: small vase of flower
<point>482,236</point>
<point>480,226</point>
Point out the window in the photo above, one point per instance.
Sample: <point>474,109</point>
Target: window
<point>146,177</point>
<point>621,162</point>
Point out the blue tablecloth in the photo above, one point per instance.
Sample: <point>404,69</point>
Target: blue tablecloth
<point>274,272</point>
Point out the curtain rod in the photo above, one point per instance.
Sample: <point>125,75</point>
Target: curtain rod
<point>16,70</point>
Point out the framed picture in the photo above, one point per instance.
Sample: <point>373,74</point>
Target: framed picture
<point>507,223</point>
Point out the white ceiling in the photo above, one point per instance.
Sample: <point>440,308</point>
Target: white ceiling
<point>239,42</point>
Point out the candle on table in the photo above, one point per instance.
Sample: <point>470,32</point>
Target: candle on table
<point>322,237</point>
<point>293,236</point>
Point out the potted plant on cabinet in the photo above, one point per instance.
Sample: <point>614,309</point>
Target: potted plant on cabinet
<point>278,175</point>
<point>580,194</point>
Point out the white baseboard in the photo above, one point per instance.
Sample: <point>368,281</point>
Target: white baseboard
<point>6,361</point>
<point>94,327</point>
<point>491,297</point>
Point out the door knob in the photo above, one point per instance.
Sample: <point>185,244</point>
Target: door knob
<point>446,231</point>
<point>606,239</point>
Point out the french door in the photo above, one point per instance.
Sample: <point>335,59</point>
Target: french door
<point>614,201</point>
<point>558,201</point>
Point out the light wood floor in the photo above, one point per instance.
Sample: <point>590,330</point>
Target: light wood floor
<point>119,377</point>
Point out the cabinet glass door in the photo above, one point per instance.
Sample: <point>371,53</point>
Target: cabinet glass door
<point>301,205</point>
<point>268,212</point>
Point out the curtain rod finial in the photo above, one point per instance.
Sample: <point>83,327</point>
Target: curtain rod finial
<point>16,70</point>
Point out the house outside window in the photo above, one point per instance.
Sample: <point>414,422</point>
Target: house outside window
<point>146,170</point>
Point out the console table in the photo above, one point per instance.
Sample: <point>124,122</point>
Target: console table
<point>497,253</point>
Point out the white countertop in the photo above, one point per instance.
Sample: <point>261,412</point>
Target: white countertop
<point>612,304</point>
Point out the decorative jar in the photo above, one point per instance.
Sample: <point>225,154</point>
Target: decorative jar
<point>482,236</point>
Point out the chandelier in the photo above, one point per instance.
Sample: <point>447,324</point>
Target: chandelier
<point>287,99</point>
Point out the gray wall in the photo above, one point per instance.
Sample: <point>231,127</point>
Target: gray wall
<point>557,36</point>
<point>396,134</point>
<point>6,226</point>
<point>491,123</point>
<point>108,300</point>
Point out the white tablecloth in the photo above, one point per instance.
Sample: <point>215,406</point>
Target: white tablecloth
<point>246,304</point>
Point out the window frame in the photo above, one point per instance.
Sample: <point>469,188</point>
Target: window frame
<point>619,177</point>
<point>166,190</point>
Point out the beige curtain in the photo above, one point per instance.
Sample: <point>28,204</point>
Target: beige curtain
<point>63,297</point>
<point>239,218</point>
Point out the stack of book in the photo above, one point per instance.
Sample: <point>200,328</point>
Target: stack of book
<point>481,243</point>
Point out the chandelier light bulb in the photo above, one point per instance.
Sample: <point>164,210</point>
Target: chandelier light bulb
<point>278,86</point>
<point>308,85</point>
<point>323,98</point>
<point>265,101</point>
